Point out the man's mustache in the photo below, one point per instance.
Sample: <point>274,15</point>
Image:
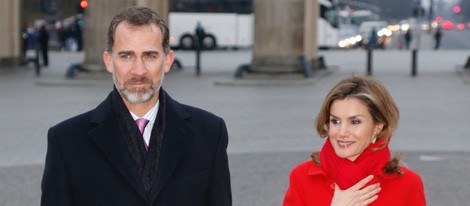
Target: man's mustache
<point>139,80</point>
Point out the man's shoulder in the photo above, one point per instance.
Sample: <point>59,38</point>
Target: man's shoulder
<point>196,111</point>
<point>76,120</point>
<point>191,111</point>
<point>85,118</point>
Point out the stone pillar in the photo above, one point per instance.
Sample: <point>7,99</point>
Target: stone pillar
<point>311,10</point>
<point>97,18</point>
<point>162,7</point>
<point>10,45</point>
<point>284,31</point>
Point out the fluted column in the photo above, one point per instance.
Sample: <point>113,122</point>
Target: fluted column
<point>311,11</point>
<point>10,33</point>
<point>98,17</point>
<point>284,31</point>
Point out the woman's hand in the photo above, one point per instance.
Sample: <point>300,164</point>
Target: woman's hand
<point>355,196</point>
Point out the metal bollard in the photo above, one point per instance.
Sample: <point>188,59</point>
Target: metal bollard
<point>369,62</point>
<point>467,64</point>
<point>414,63</point>
<point>37,66</point>
<point>198,56</point>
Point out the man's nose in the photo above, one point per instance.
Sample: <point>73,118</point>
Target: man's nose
<point>138,68</point>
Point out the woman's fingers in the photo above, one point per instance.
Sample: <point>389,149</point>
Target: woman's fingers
<point>363,182</point>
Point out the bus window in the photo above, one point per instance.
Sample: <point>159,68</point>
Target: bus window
<point>330,15</point>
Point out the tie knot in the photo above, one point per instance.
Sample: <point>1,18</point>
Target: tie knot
<point>141,123</point>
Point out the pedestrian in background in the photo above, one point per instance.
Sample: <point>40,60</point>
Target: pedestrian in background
<point>437,38</point>
<point>200,34</point>
<point>43,38</point>
<point>139,146</point>
<point>354,166</point>
<point>372,39</point>
<point>408,38</point>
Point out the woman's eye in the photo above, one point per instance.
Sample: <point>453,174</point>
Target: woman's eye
<point>355,121</point>
<point>334,121</point>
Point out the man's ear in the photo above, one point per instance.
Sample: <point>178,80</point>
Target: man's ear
<point>107,59</point>
<point>170,57</point>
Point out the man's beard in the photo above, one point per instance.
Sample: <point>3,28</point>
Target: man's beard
<point>138,95</point>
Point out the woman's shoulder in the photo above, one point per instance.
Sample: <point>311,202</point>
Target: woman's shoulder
<point>307,168</point>
<point>409,174</point>
<point>406,177</point>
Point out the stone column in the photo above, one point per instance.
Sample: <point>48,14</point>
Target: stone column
<point>10,33</point>
<point>311,10</point>
<point>162,7</point>
<point>284,31</point>
<point>97,18</point>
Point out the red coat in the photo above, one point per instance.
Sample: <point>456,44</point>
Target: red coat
<point>311,186</point>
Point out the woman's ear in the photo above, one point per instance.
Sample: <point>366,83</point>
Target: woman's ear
<point>378,128</point>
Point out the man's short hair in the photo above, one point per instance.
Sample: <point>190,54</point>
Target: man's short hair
<point>138,16</point>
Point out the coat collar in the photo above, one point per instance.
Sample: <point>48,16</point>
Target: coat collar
<point>177,136</point>
<point>111,142</point>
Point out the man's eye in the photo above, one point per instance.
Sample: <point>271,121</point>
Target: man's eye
<point>125,56</point>
<point>152,56</point>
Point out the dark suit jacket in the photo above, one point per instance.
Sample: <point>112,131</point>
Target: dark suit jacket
<point>87,161</point>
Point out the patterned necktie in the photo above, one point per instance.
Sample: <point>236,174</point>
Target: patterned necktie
<point>141,123</point>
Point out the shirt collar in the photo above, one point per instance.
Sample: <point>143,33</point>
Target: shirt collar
<point>151,115</point>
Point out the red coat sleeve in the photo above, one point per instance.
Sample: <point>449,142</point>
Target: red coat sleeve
<point>417,197</point>
<point>293,195</point>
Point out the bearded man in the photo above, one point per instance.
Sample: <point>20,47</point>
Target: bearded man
<point>139,146</point>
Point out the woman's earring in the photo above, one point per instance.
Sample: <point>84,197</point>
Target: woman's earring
<point>374,138</point>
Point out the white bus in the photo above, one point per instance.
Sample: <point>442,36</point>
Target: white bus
<point>229,24</point>
<point>223,30</point>
<point>327,25</point>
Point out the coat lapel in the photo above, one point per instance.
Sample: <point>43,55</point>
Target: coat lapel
<point>111,142</point>
<point>176,138</point>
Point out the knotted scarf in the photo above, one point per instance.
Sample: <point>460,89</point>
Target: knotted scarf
<point>146,162</point>
<point>346,173</point>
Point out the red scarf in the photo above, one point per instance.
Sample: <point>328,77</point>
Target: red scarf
<point>346,173</point>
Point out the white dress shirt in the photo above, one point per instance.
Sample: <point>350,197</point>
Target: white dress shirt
<point>151,116</point>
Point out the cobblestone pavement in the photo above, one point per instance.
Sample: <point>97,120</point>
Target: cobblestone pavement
<point>270,123</point>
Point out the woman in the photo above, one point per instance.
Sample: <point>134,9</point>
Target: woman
<point>354,166</point>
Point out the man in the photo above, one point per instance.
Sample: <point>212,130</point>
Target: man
<point>437,38</point>
<point>44,44</point>
<point>101,158</point>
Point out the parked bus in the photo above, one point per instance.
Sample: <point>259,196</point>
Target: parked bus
<point>229,24</point>
<point>327,25</point>
<point>223,30</point>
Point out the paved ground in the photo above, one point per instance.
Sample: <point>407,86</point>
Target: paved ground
<point>270,123</point>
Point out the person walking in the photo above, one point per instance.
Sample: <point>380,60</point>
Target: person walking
<point>43,38</point>
<point>437,38</point>
<point>354,166</point>
<point>408,38</point>
<point>139,146</point>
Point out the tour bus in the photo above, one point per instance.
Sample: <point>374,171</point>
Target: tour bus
<point>234,27</point>
<point>223,30</point>
<point>327,25</point>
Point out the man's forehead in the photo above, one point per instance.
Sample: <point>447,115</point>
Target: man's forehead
<point>128,26</point>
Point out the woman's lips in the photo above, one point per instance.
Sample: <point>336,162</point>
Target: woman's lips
<point>345,144</point>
